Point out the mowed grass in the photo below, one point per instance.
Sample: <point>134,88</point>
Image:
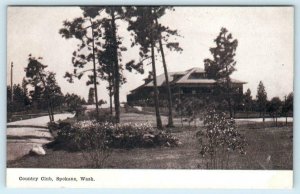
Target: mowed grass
<point>269,148</point>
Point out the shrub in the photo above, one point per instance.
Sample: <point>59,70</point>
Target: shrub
<point>219,138</point>
<point>85,134</point>
<point>92,141</point>
<point>86,137</point>
<point>54,126</point>
<point>132,135</point>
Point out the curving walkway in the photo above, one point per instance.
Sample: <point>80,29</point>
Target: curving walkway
<point>23,135</point>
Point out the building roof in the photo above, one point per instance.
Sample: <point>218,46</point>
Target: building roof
<point>184,77</point>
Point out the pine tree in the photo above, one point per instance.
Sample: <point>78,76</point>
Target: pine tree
<point>87,29</point>
<point>261,99</point>
<point>148,32</point>
<point>161,30</point>
<point>223,64</point>
<point>248,101</point>
<point>145,35</point>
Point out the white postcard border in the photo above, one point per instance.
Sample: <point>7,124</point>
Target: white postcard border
<point>131,178</point>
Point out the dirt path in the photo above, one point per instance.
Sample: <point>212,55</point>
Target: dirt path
<point>23,135</point>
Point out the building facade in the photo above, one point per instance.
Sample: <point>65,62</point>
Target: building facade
<point>192,83</point>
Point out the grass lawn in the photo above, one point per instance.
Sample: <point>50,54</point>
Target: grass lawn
<point>269,148</point>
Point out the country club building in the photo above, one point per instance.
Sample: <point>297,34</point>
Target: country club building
<point>190,83</point>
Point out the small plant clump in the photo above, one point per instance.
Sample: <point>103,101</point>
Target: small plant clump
<point>219,139</point>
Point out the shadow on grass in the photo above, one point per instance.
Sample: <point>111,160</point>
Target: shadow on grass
<point>26,126</point>
<point>27,137</point>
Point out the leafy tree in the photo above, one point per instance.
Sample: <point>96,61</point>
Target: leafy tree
<point>20,100</point>
<point>274,108</point>
<point>223,64</point>
<point>83,100</point>
<point>101,102</point>
<point>24,86</point>
<point>74,104</point>
<point>290,101</point>
<point>44,84</point>
<point>192,108</point>
<point>53,91</point>
<point>261,99</point>
<point>179,106</point>
<point>288,105</point>
<point>91,96</point>
<point>248,101</point>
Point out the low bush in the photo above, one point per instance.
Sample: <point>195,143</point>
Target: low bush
<point>132,135</point>
<point>54,126</point>
<point>219,139</point>
<point>86,134</point>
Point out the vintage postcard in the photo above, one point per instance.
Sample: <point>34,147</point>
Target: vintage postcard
<point>150,96</point>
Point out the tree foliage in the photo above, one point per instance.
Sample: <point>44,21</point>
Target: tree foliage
<point>288,104</point>
<point>248,101</point>
<point>74,104</point>
<point>274,106</point>
<point>261,96</point>
<point>147,32</point>
<point>97,31</point>
<point>44,83</point>
<point>20,101</point>
<point>86,29</point>
<point>223,63</point>
<point>219,139</point>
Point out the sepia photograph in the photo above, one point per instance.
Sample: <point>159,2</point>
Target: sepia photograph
<point>150,87</point>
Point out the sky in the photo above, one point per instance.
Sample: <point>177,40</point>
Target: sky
<point>265,49</point>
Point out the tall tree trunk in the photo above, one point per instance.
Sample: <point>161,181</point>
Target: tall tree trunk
<point>170,115</point>
<point>51,117</point>
<point>263,115</point>
<point>110,92</point>
<point>49,112</point>
<point>116,67</point>
<point>52,110</point>
<point>286,110</point>
<point>158,119</point>
<point>229,105</point>
<point>95,74</point>
<point>228,94</point>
